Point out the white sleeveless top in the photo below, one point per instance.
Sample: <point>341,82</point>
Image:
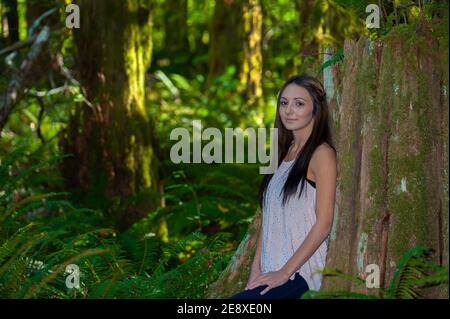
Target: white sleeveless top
<point>285,228</point>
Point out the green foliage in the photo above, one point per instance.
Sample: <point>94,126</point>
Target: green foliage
<point>218,105</point>
<point>41,233</point>
<point>334,59</point>
<point>414,272</point>
<point>198,198</point>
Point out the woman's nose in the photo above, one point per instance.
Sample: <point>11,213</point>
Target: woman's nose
<point>289,108</point>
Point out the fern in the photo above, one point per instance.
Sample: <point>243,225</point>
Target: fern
<point>411,271</point>
<point>41,232</point>
<point>339,56</point>
<point>414,271</point>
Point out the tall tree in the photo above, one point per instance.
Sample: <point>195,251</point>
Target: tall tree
<point>393,141</point>
<point>176,44</point>
<point>251,72</point>
<point>111,137</point>
<point>225,37</point>
<point>308,41</point>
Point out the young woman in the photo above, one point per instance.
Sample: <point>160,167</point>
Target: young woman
<point>298,199</point>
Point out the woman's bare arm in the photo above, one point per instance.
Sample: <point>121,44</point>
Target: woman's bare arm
<point>325,171</point>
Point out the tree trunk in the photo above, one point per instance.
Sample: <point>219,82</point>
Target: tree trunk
<point>389,105</point>
<point>307,39</point>
<point>225,37</point>
<point>251,72</point>
<point>111,138</point>
<point>176,44</point>
<point>392,141</point>
<point>309,46</point>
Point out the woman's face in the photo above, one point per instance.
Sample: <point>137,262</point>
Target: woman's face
<point>296,107</point>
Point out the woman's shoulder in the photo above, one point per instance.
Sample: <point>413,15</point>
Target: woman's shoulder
<point>324,154</point>
<point>324,149</point>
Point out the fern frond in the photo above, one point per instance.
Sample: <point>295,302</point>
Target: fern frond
<point>411,267</point>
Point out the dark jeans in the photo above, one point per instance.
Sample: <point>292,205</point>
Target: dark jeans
<point>292,289</point>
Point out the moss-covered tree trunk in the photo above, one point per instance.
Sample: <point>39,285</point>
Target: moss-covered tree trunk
<point>251,72</point>
<point>111,136</point>
<point>389,102</point>
<point>392,141</point>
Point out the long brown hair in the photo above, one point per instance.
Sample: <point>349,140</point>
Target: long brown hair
<point>321,133</point>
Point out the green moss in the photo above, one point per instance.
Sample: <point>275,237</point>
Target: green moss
<point>398,122</point>
<point>411,208</point>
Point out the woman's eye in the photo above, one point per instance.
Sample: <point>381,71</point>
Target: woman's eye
<point>298,104</point>
<point>283,103</point>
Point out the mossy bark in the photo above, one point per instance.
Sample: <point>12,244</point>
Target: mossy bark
<point>392,132</point>
<point>251,72</point>
<point>111,136</point>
